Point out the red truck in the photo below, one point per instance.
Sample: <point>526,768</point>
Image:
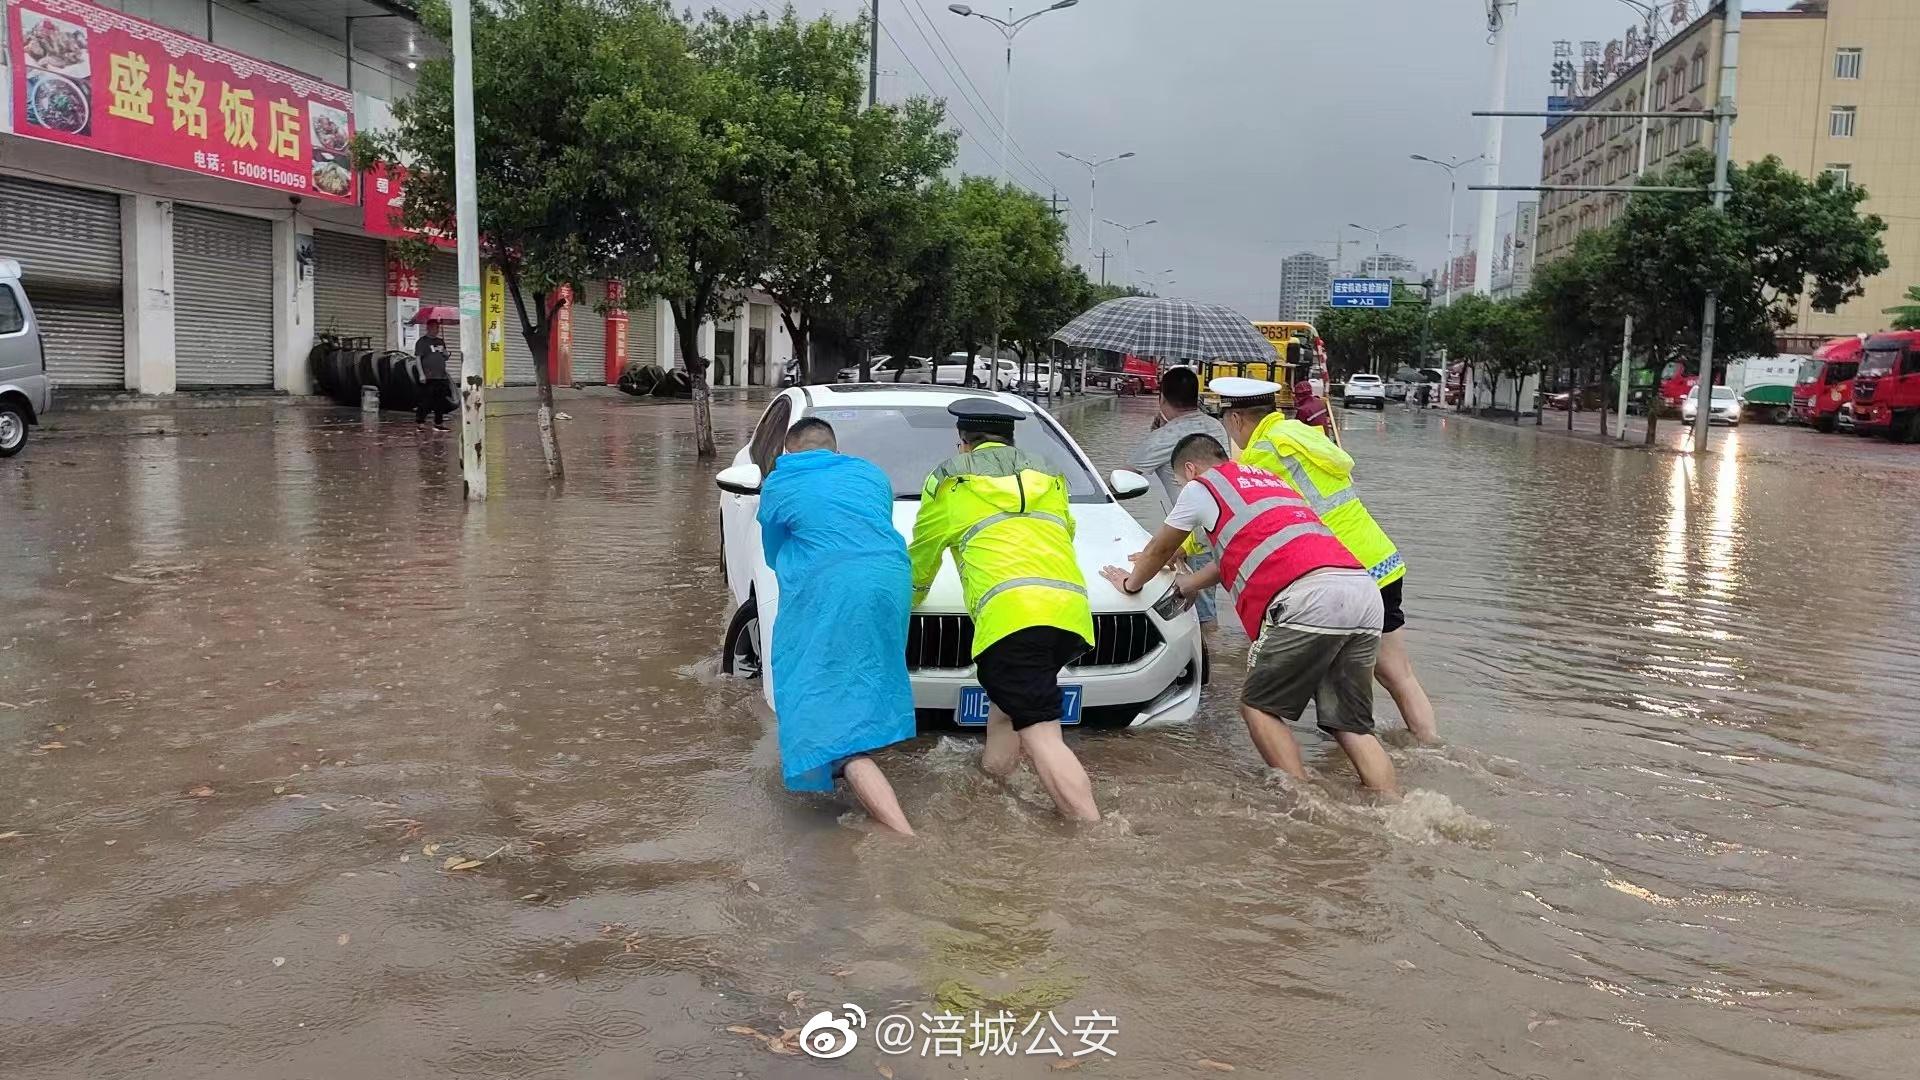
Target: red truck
<point>1827,382</point>
<point>1886,389</point>
<point>1138,376</point>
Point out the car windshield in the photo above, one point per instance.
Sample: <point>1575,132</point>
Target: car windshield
<point>1721,393</point>
<point>1879,362</point>
<point>908,442</point>
<point>1810,371</point>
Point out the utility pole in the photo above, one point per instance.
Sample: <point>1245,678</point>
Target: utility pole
<point>1500,15</point>
<point>466,218</point>
<point>1103,265</point>
<point>1723,115</point>
<point>1639,170</point>
<point>873,57</point>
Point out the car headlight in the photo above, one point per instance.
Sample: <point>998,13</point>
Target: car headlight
<point>1171,603</point>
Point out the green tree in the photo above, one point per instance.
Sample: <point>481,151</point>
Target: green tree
<point>1008,268</point>
<point>1907,316</point>
<point>1495,338</point>
<point>555,83</point>
<point>1783,239</point>
<point>1378,340</point>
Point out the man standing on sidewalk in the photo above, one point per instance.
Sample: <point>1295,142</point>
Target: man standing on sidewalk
<point>1003,513</point>
<point>1323,474</point>
<point>1179,417</point>
<point>436,390</point>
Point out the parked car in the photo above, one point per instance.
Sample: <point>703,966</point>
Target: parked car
<point>1364,389</point>
<point>1147,663</point>
<point>1396,389</point>
<point>1041,379</point>
<point>1725,406</point>
<point>26,392</point>
<point>917,369</point>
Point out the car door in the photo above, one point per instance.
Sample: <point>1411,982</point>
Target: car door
<point>739,523</point>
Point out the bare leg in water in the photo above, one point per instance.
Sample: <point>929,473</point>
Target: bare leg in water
<point>870,786</point>
<point>1370,760</point>
<point>1002,755</point>
<point>1061,772</point>
<point>1275,743</point>
<point>1394,672</point>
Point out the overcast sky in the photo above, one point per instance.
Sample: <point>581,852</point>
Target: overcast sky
<point>1261,127</point>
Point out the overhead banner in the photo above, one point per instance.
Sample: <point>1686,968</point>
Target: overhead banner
<point>386,198</point>
<point>95,78</point>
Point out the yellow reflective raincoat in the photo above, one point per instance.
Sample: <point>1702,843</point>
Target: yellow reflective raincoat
<point>1004,514</point>
<point>1324,474</point>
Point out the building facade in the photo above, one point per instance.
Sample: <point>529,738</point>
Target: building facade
<point>1389,265</point>
<point>1828,86</point>
<point>1306,282</point>
<point>176,185</point>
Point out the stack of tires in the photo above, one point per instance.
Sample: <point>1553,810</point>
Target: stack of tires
<point>651,380</point>
<point>341,366</point>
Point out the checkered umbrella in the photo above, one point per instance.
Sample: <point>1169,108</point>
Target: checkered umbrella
<point>1169,329</point>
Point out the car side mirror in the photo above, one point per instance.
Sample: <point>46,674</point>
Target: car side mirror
<point>739,480</point>
<point>1128,484</point>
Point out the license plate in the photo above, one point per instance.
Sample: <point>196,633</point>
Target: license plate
<point>973,706</point>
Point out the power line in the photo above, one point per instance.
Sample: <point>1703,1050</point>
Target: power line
<point>1018,150</point>
<point>1048,184</point>
<point>985,115</point>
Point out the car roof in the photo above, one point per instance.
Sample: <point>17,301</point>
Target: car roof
<point>883,395</point>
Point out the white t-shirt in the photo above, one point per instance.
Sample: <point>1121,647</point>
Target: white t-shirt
<point>1195,510</point>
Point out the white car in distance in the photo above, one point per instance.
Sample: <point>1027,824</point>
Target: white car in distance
<point>1363,389</point>
<point>1147,663</point>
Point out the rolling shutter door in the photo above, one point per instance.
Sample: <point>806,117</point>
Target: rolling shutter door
<point>222,298</point>
<point>590,336</point>
<point>350,287</point>
<point>519,357</point>
<point>642,333</point>
<point>67,242</point>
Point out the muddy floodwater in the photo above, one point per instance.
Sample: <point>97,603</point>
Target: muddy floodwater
<point>309,771</point>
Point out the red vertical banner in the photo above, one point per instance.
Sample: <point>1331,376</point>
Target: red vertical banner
<point>402,280</point>
<point>560,345</point>
<point>616,331</point>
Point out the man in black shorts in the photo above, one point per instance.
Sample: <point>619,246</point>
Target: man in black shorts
<point>1004,514</point>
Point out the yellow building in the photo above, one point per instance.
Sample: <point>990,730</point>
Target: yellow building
<point>1827,86</point>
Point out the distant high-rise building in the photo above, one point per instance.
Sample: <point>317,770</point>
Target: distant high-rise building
<point>1388,265</point>
<point>1306,280</point>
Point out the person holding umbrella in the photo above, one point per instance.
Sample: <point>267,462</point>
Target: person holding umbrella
<point>436,389</point>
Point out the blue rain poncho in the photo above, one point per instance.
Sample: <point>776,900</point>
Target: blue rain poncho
<point>839,648</point>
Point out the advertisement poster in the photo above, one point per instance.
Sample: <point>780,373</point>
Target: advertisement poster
<point>616,331</point>
<point>493,326</point>
<point>386,197</point>
<point>402,280</point>
<point>91,77</point>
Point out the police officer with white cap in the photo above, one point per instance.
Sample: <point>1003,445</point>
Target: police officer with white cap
<point>1004,514</point>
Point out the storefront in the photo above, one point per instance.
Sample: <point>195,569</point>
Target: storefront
<point>222,298</point>
<point>67,241</point>
<point>590,335</point>
<point>350,287</point>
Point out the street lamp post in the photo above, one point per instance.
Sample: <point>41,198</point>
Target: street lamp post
<point>1093,191</point>
<point>1127,230</point>
<point>466,215</point>
<point>1376,234</point>
<point>1009,28</point>
<point>1652,15</point>
<point>1453,166</point>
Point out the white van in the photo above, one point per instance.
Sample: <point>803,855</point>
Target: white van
<point>26,393</point>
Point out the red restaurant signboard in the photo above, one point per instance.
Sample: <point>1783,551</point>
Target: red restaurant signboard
<point>385,203</point>
<point>92,77</point>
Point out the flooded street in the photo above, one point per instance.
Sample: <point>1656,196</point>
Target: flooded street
<point>311,771</point>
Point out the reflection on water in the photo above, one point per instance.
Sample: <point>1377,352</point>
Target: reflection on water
<point>265,675</point>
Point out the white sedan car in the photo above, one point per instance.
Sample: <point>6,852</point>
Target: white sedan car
<point>1147,662</point>
<point>1363,389</point>
<point>1725,406</point>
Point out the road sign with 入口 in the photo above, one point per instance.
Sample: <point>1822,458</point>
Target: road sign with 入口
<point>1361,293</point>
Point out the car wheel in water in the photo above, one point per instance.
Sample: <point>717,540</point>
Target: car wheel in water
<point>740,651</point>
<point>13,429</point>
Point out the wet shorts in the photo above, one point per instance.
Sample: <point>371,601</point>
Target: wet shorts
<point>1319,643</point>
<point>1390,599</point>
<point>1021,672</point>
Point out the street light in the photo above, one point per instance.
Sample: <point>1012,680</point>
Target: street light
<point>1453,188</point>
<point>1652,15</point>
<point>1009,28</point>
<point>1128,230</point>
<point>1376,234</point>
<point>1093,191</point>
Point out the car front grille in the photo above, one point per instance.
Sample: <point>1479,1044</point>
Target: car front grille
<point>946,641</point>
<point>1863,389</point>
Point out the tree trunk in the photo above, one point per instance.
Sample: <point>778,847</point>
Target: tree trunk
<point>687,316</point>
<point>538,332</point>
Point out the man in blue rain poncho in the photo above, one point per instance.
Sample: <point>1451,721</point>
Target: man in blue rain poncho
<point>839,651</point>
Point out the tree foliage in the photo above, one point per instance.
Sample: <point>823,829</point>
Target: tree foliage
<point>1907,316</point>
<point>1379,340</point>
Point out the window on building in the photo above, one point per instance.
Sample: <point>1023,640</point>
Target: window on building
<point>1697,70</point>
<point>1847,63</point>
<point>1653,142</point>
<point>1660,92</point>
<point>1841,124</point>
<point>1842,175</point>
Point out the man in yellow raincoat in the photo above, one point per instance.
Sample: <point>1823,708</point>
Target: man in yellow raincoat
<point>1003,512</point>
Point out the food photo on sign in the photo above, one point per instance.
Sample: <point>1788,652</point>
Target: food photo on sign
<point>59,74</point>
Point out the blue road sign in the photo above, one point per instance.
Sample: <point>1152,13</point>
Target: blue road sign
<point>1361,293</point>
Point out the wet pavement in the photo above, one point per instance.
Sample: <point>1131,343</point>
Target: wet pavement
<point>311,771</point>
